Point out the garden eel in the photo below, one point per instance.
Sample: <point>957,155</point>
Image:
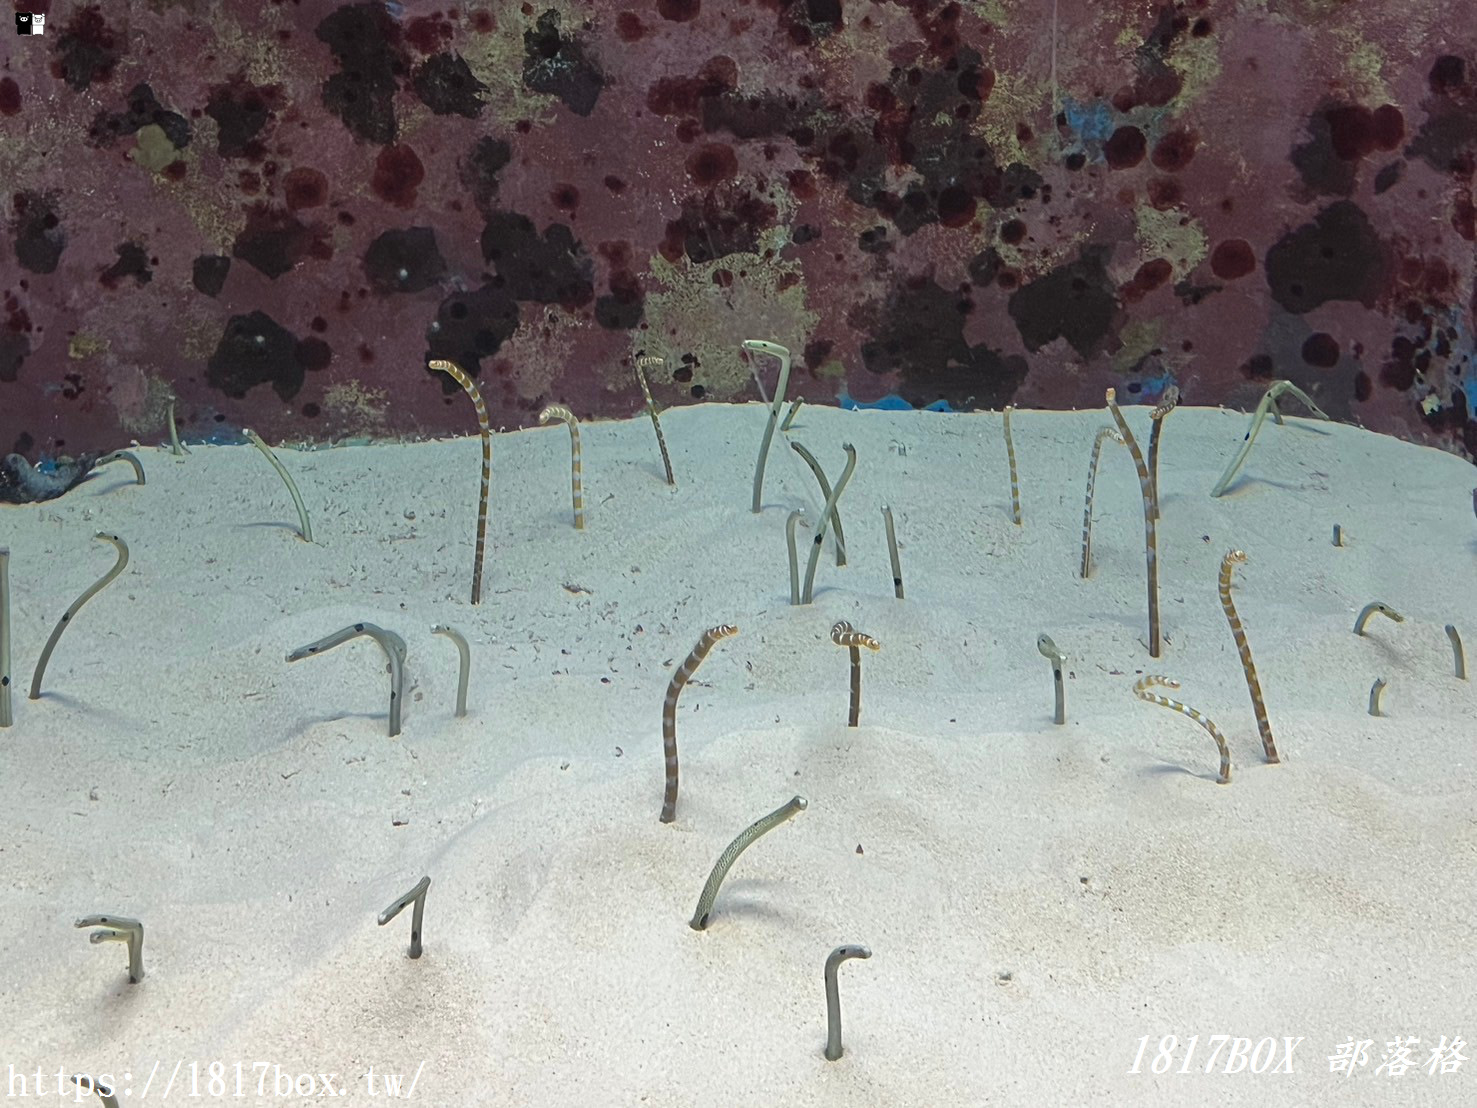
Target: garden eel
<point>1268,404</point>
<point>669,711</point>
<point>792,413</point>
<point>1370,609</point>
<point>464,654</point>
<point>796,517</point>
<point>820,477</point>
<point>393,646</point>
<point>774,350</point>
<point>1167,404</point>
<point>826,513</point>
<point>92,1085</point>
<point>897,567</point>
<point>1456,647</point>
<point>641,364</point>
<point>559,411</point>
<point>125,456</point>
<point>66,620</point>
<point>459,375</point>
<point>6,719</point>
<point>297,501</point>
<point>1374,696</point>
<point>416,896</point>
<point>1263,725</point>
<point>1140,690</point>
<point>1015,488</point>
<point>842,634</point>
<point>1054,656</point>
<point>833,998</point>
<point>1151,546</point>
<point>1097,449</point>
<point>175,446</point>
<point>725,861</point>
<point>117,929</point>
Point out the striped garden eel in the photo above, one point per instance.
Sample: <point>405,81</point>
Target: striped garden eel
<point>1097,449</point>
<point>559,411</point>
<point>1151,512</point>
<point>1140,690</point>
<point>842,634</point>
<point>459,375</point>
<point>641,364</point>
<point>1167,403</point>
<point>1015,488</point>
<point>725,861</point>
<point>669,711</point>
<point>1232,559</point>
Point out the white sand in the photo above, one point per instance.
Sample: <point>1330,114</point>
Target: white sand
<point>1036,898</point>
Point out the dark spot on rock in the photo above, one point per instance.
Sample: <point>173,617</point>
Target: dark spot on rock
<point>14,350</point>
<point>874,240</point>
<point>1075,301</point>
<point>479,172</point>
<point>1164,193</point>
<point>1200,28</point>
<point>366,43</point>
<point>984,267</point>
<point>87,50</point>
<point>209,273</point>
<point>1321,349</point>
<point>10,96</point>
<point>1232,259</point>
<point>1149,277</point>
<point>557,65</point>
<point>615,184</point>
<point>1076,161</point>
<point>133,260</point>
<point>313,354</point>
<point>483,23</point>
<point>404,261</point>
<point>802,184</point>
<point>1336,257</point>
<point>817,351</point>
<point>711,164</point>
<point>1388,177</point>
<point>686,95</point>
<point>678,11</point>
<point>804,233</point>
<point>1447,139</point>
<point>255,349</point>
<point>1464,215</point>
<point>240,110</point>
<point>143,109</point>
<point>273,240</point>
<point>1174,150</point>
<point>712,227</point>
<point>1363,386</point>
<point>624,307</point>
<point>1448,75</point>
<point>955,206</point>
<point>919,335</point>
<point>38,236</point>
<point>304,187</point>
<point>1258,367</point>
<point>427,32</point>
<point>756,115</point>
<point>311,410</point>
<point>550,269</point>
<point>446,85</point>
<point>1125,148</point>
<point>565,196</point>
<point>628,27</point>
<point>470,326</point>
<point>1013,232</point>
<point>398,172</point>
<point>1399,370</point>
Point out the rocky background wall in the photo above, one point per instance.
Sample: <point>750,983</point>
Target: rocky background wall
<point>278,211</point>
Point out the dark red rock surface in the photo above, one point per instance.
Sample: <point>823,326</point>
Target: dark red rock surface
<point>278,215</point>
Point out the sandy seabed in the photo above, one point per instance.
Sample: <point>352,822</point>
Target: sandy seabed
<point>1037,898</point>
